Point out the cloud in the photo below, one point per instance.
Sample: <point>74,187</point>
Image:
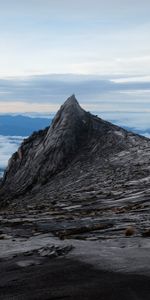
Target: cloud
<point>96,7</point>
<point>136,79</point>
<point>45,93</point>
<point>139,122</point>
<point>8,145</point>
<point>11,107</point>
<point>147,134</point>
<point>49,87</point>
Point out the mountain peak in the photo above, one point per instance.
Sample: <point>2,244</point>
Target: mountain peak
<point>49,151</point>
<point>71,104</point>
<point>74,136</point>
<point>69,112</point>
<point>71,100</point>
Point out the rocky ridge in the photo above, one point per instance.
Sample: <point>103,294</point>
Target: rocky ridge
<point>82,177</point>
<point>74,212</point>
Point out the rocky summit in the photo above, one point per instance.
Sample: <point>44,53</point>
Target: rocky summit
<point>79,188</point>
<point>84,169</point>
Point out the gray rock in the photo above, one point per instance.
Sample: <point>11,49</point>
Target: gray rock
<point>81,171</point>
<point>77,140</point>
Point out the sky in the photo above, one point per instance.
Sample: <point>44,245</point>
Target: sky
<point>99,50</point>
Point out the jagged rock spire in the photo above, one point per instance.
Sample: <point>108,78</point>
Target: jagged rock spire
<point>74,136</point>
<point>49,151</point>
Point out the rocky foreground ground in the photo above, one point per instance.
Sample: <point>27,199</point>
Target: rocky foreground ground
<point>45,255</point>
<point>75,207</point>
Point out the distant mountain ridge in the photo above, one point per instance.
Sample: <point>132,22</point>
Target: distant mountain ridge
<point>20,125</point>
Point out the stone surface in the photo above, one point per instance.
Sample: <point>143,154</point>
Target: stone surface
<point>80,156</point>
<point>79,188</point>
<point>83,177</point>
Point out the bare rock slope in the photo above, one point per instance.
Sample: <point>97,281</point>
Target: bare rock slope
<point>82,167</point>
<point>85,179</point>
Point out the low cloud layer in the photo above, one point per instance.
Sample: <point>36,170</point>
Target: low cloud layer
<point>8,145</point>
<point>137,122</point>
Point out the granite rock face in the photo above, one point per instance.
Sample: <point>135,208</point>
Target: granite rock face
<point>47,152</point>
<point>83,166</point>
<point>81,188</point>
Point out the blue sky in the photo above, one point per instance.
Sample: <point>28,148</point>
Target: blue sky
<point>99,50</point>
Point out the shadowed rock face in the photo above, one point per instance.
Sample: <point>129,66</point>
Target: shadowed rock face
<point>47,151</point>
<point>79,157</point>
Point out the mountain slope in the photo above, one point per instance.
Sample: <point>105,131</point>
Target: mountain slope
<point>85,180</point>
<point>80,157</point>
